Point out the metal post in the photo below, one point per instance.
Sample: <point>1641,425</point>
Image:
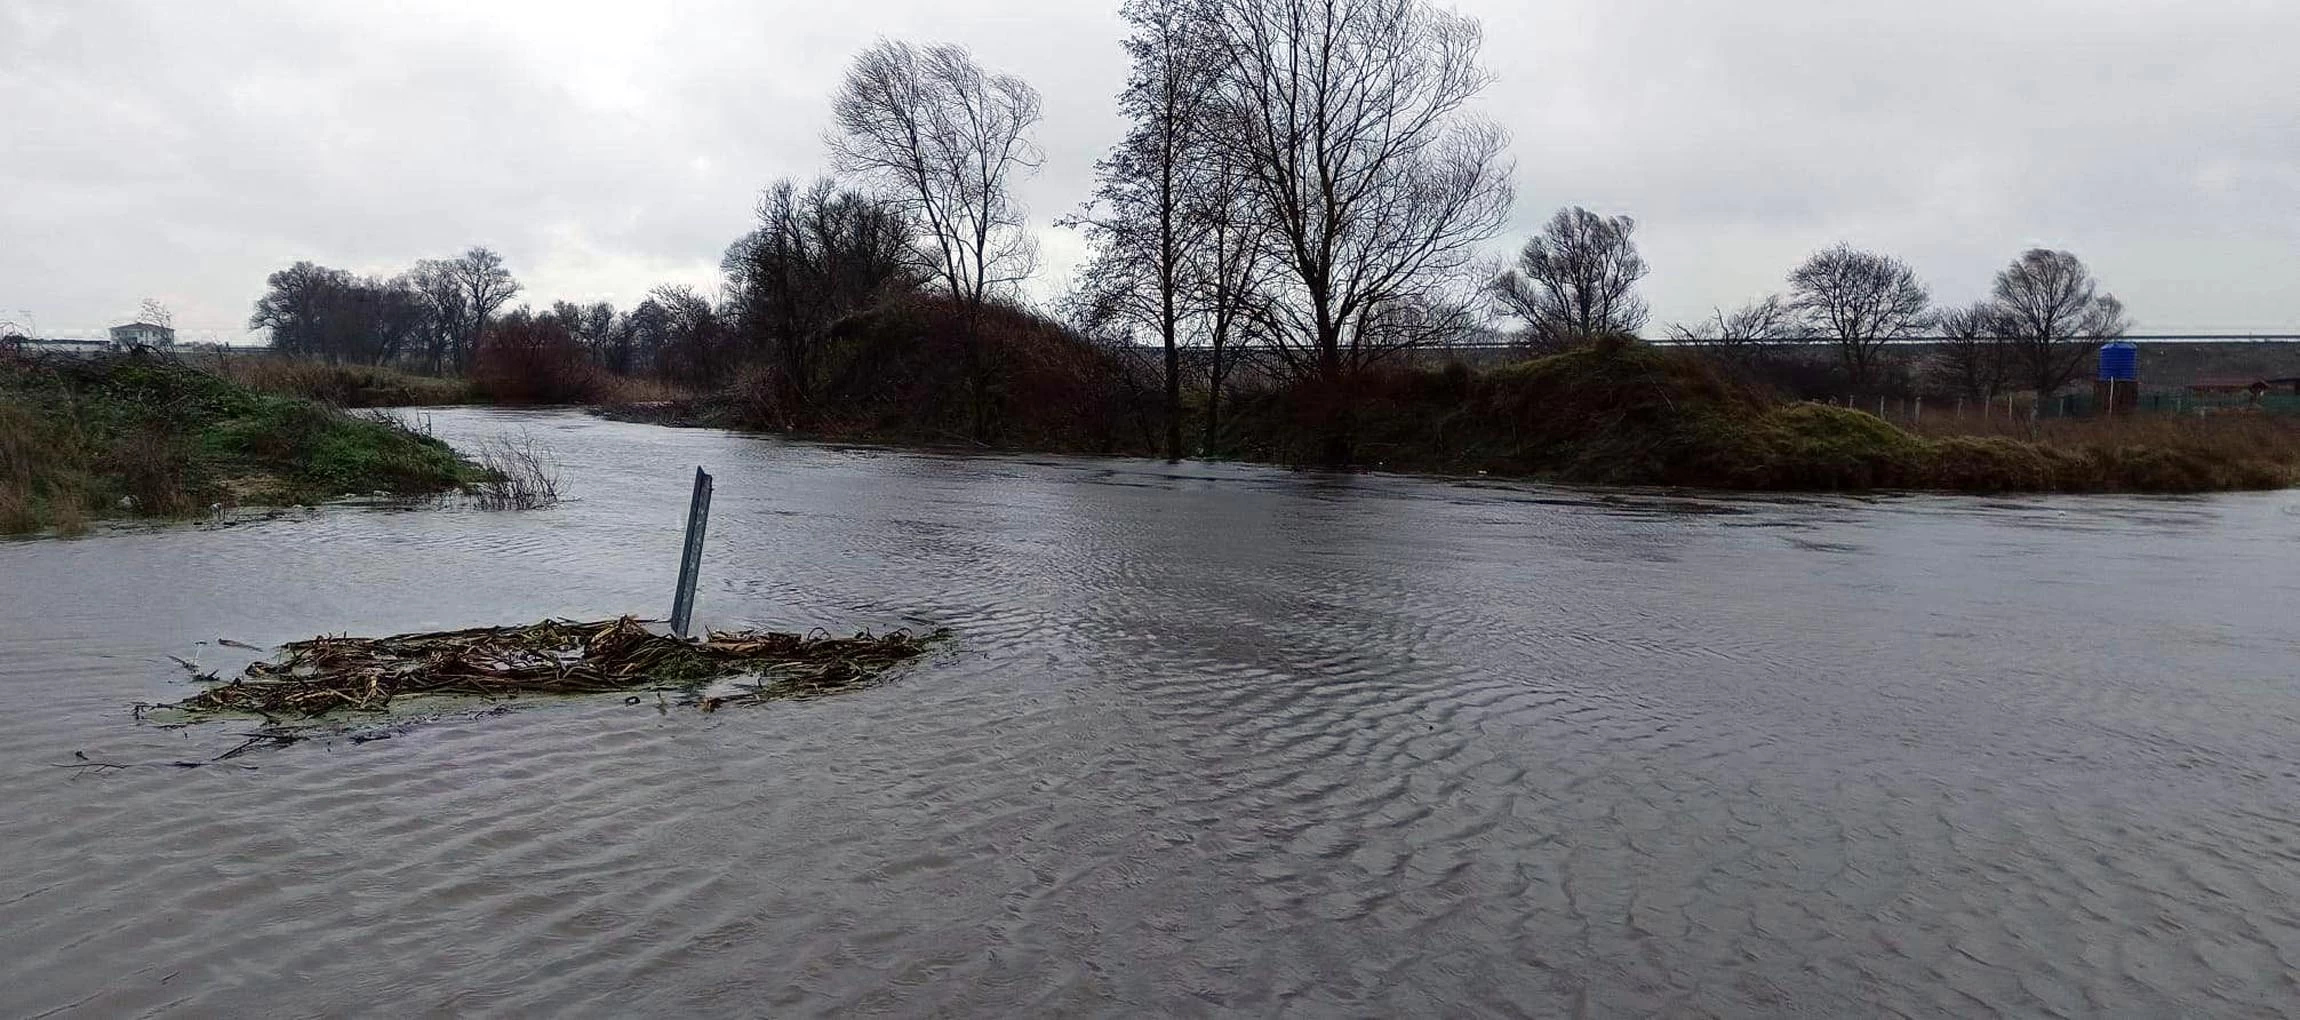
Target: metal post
<point>691,557</point>
<point>1917,417</point>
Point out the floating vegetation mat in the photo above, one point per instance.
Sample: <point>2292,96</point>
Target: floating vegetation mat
<point>314,678</point>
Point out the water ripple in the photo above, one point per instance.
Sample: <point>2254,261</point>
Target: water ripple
<point>1212,739</point>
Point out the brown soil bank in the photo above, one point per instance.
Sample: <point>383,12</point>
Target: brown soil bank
<point>1619,413</point>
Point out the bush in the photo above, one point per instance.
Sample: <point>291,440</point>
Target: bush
<point>519,475</point>
<point>907,371</point>
<point>527,360</point>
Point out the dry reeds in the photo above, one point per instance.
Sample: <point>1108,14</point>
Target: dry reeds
<point>520,475</point>
<point>338,384</point>
<point>338,674</point>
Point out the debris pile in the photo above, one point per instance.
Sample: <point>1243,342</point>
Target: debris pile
<point>336,674</point>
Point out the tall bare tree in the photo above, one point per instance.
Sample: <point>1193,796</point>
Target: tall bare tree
<point>1860,301</point>
<point>2053,314</point>
<point>1375,183</point>
<point>1576,281</point>
<point>155,313</point>
<point>1228,278</point>
<point>947,141</point>
<point>1975,358</point>
<point>486,286</point>
<point>1143,221</point>
<point>692,344</point>
<point>818,253</point>
<point>314,311</point>
<point>449,322</point>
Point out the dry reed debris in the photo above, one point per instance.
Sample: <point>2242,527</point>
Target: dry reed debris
<point>346,674</point>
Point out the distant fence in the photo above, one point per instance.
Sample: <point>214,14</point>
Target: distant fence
<point>2024,406</point>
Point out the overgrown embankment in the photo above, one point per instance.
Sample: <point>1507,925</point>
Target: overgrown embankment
<point>506,374</point>
<point>1618,413</point>
<point>141,435</point>
<point>1626,413</point>
<point>340,385</point>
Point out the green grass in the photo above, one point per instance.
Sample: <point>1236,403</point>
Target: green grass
<point>144,436</point>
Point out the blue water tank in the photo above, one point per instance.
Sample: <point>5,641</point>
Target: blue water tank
<point>2119,361</point>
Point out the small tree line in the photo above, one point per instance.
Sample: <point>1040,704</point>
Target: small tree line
<point>1303,177</point>
<point>2043,317</point>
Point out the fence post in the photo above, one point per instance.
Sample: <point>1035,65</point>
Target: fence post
<point>691,556</point>
<point>1917,417</point>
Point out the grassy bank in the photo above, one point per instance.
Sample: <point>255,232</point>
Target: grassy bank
<point>1631,414</point>
<point>138,435</point>
<point>1622,413</point>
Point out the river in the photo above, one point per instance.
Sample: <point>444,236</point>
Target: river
<point>1211,740</point>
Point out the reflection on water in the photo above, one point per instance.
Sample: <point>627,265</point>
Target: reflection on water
<point>1215,739</point>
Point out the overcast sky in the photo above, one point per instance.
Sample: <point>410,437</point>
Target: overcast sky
<point>184,150</point>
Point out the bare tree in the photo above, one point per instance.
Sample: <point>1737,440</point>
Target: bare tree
<point>1143,219</point>
<point>486,286</point>
<point>2051,311</point>
<point>156,314</point>
<point>314,311</point>
<point>1375,183</point>
<point>1975,359</point>
<point>817,254</point>
<point>693,337</point>
<point>1576,281</point>
<point>1859,300</point>
<point>449,321</point>
<point>947,140</point>
<point>301,309</point>
<point>1768,320</point>
<point>1228,278</point>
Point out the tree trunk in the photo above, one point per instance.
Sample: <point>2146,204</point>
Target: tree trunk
<point>1213,402</point>
<point>1334,412</point>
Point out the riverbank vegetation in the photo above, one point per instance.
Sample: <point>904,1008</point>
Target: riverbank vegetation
<point>142,435</point>
<point>1623,412</point>
<point>1218,313</point>
<point>338,384</point>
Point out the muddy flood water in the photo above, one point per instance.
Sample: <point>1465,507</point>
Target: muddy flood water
<point>1210,740</point>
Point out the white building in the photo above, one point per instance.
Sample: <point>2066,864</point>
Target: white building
<point>142,334</point>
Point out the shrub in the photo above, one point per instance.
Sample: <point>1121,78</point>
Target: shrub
<point>519,475</point>
<point>528,360</point>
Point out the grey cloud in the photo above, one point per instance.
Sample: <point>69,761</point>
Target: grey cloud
<point>186,150</point>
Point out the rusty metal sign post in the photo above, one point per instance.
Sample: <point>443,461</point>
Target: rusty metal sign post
<point>691,558</point>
